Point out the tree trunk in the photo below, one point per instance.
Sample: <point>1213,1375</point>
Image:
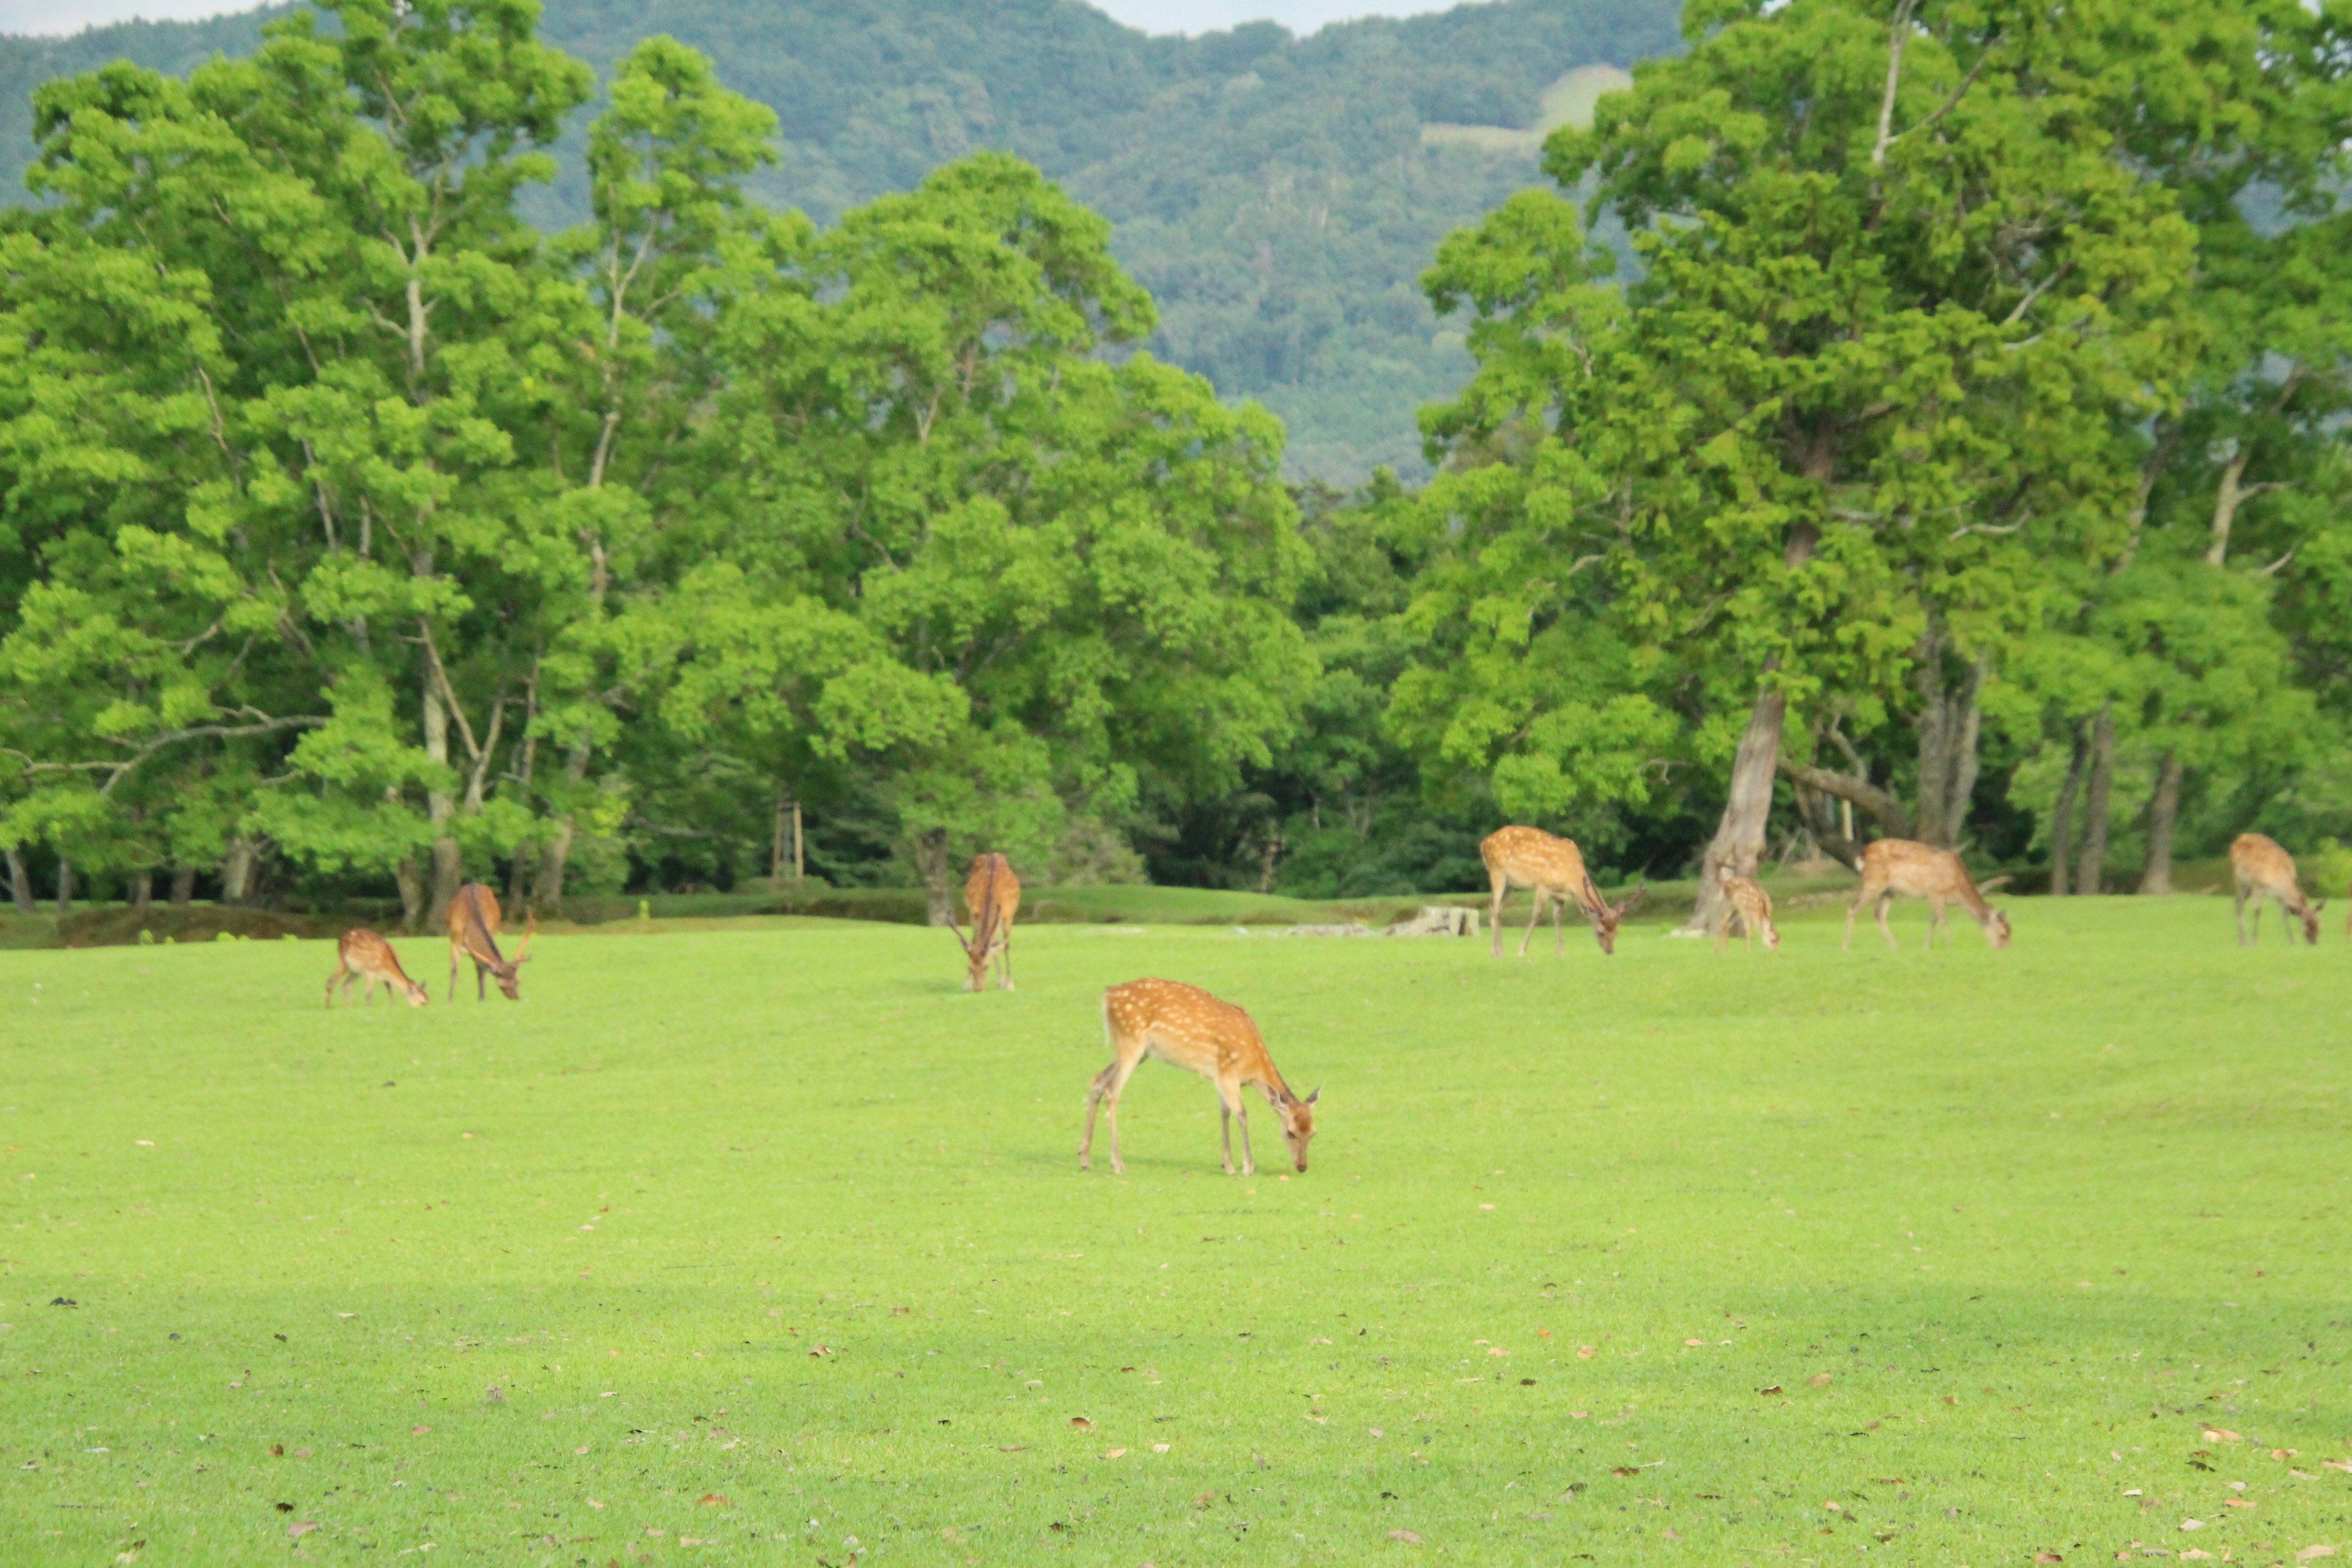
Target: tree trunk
<point>2089,876</point>
<point>1822,824</point>
<point>799,848</point>
<point>237,871</point>
<point>518,879</point>
<point>1949,724</point>
<point>65,887</point>
<point>2163,811</point>
<point>1738,841</point>
<point>441,808</point>
<point>2226,501</point>
<point>20,881</point>
<point>931,864</point>
<point>556,855</point>
<point>2062,818</point>
<point>412,892</point>
<point>142,891</point>
<point>183,885</point>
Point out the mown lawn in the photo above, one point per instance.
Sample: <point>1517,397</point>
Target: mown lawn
<point>768,1245</point>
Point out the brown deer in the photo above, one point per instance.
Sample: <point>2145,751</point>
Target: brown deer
<point>474,933</point>
<point>992,895</point>
<point>1554,867</point>
<point>1753,907</point>
<point>365,955</point>
<point>1893,866</point>
<point>2264,870</point>
<point>1186,1027</point>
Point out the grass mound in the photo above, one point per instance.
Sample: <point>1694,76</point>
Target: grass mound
<point>768,1245</point>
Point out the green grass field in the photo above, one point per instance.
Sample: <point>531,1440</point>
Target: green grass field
<point>766,1245</point>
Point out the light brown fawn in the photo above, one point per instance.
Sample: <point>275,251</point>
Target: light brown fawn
<point>365,955</point>
<point>2264,870</point>
<point>1185,1026</point>
<point>992,895</point>
<point>1753,906</point>
<point>1893,866</point>
<point>474,932</point>
<point>1554,867</point>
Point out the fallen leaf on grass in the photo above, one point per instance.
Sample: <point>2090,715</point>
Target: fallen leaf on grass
<point>714,1500</point>
<point>1819,1380</point>
<point>1774,1388</point>
<point>1624,1470</point>
<point>1407,1536</point>
<point>1834,1506</point>
<point>2235,1503</point>
<point>1668,1533</point>
<point>2192,1524</point>
<point>2338,1464</point>
<point>2193,1553</point>
<point>419,1430</point>
<point>1082,1424</point>
<point>2309,1552</point>
<point>1159,1447</point>
<point>2048,1557</point>
<point>283,1507</point>
<point>2215,1435</point>
<point>300,1527</point>
<point>1585,1352</point>
<point>822,1350</point>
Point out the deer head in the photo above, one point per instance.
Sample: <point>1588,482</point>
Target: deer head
<point>504,972</point>
<point>417,995</point>
<point>1297,1125</point>
<point>2311,921</point>
<point>1771,936</point>
<point>1605,915</point>
<point>1996,928</point>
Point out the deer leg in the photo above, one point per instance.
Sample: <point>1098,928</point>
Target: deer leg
<point>1886,902</point>
<point>1936,922</point>
<point>1534,920</point>
<point>1558,941</point>
<point>1232,1107</point>
<point>1004,962</point>
<point>1095,1092</point>
<point>1860,897</point>
<point>1495,914</point>
<point>453,972</point>
<point>338,975</point>
<point>481,982</point>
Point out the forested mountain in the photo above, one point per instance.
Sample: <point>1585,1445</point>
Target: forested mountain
<point>1278,195</point>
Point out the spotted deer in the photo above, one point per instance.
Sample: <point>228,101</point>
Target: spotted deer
<point>1893,866</point>
<point>1752,906</point>
<point>1554,867</point>
<point>1186,1027</point>
<point>365,955</point>
<point>992,896</point>
<point>2264,870</point>
<point>474,933</point>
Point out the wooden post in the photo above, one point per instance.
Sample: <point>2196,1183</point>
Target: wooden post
<point>800,861</point>
<point>776,849</point>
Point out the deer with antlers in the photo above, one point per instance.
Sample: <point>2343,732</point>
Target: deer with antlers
<point>1554,867</point>
<point>1185,1026</point>
<point>474,933</point>
<point>1893,866</point>
<point>2264,870</point>
<point>992,896</point>
<point>1748,903</point>
<point>365,955</point>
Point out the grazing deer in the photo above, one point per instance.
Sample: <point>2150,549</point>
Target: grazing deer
<point>2266,871</point>
<point>1554,867</point>
<point>1186,1027</point>
<point>993,894</point>
<point>474,933</point>
<point>1893,866</point>
<point>362,954</point>
<point>1753,906</point>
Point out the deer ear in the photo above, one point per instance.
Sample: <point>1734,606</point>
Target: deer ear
<point>1319,1089</point>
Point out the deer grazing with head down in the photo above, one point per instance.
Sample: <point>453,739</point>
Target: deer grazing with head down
<point>1554,867</point>
<point>474,933</point>
<point>992,896</point>
<point>365,955</point>
<point>2264,870</point>
<point>1185,1026</point>
<point>1752,906</point>
<point>1893,866</point>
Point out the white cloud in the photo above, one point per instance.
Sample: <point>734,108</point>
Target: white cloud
<point>1299,15</point>
<point>60,16</point>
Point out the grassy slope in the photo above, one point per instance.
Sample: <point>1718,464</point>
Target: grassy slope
<point>2035,1217</point>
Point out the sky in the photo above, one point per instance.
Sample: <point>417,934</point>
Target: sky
<point>1153,15</point>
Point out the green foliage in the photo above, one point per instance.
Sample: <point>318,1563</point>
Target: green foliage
<point>1275,193</point>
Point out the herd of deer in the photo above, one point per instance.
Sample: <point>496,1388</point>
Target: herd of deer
<point>1185,1026</point>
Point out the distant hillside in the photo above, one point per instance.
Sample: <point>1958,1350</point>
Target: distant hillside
<point>1278,195</point>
